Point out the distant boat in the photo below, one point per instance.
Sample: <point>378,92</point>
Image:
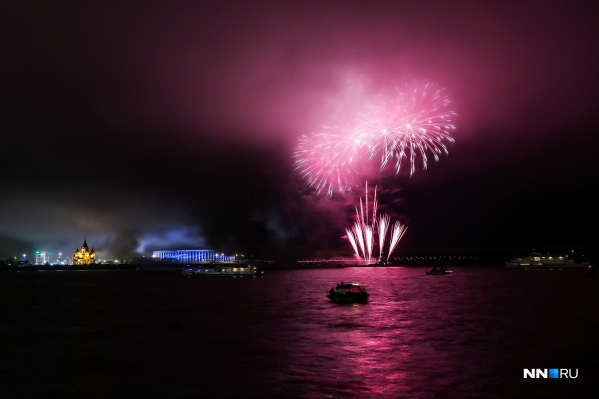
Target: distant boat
<point>221,270</point>
<point>436,271</point>
<point>537,260</point>
<point>348,293</point>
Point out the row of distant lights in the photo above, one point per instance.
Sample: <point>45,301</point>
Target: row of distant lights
<point>39,253</point>
<point>62,261</point>
<point>60,254</point>
<point>429,257</point>
<point>217,255</point>
<point>435,257</point>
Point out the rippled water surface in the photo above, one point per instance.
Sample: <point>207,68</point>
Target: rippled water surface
<point>159,334</point>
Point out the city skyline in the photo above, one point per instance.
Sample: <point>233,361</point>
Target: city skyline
<point>151,126</point>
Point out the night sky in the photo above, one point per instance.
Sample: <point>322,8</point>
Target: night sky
<point>146,125</point>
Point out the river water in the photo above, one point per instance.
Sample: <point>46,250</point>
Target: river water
<point>138,334</point>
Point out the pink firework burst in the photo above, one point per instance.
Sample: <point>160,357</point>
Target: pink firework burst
<point>331,160</point>
<point>415,121</point>
<point>408,126</point>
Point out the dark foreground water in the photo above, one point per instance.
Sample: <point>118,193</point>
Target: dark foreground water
<point>161,335</point>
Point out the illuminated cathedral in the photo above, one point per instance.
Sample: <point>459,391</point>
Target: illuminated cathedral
<point>85,256</point>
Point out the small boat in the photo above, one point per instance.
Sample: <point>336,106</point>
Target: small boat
<point>224,269</point>
<point>187,271</point>
<point>348,293</point>
<point>436,271</point>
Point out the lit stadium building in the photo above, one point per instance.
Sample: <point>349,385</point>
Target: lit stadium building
<point>192,256</point>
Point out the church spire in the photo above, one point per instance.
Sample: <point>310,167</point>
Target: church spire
<point>84,257</point>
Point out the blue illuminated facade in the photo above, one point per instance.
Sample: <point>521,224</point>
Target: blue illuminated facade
<point>192,256</point>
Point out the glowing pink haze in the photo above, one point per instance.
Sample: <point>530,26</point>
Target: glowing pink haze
<point>406,126</point>
<point>183,117</point>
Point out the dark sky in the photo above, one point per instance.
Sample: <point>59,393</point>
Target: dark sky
<point>146,125</point>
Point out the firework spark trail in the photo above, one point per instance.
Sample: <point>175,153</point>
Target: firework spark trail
<point>398,232</point>
<point>366,200</point>
<point>374,207</point>
<point>383,224</point>
<point>359,233</point>
<point>363,230</point>
<point>361,220</point>
<point>362,234</point>
<point>368,228</point>
<point>369,242</point>
<point>350,235</point>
